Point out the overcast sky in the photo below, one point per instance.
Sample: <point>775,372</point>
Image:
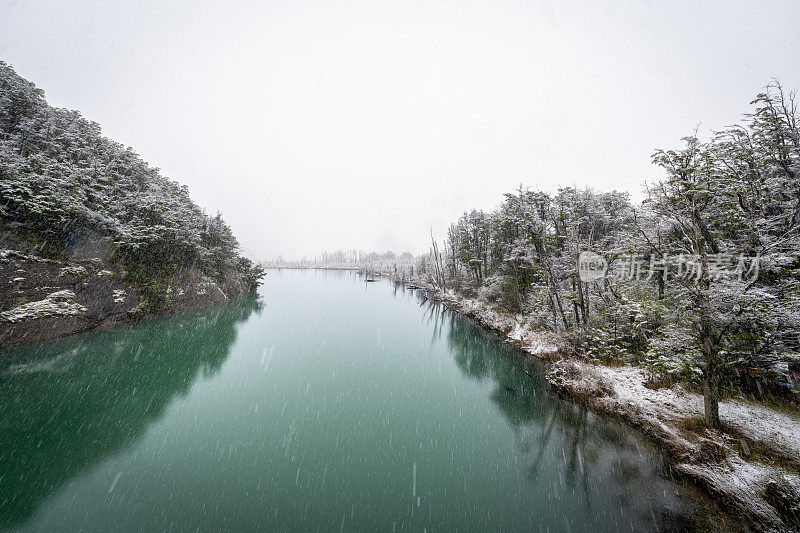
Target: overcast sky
<point>317,125</point>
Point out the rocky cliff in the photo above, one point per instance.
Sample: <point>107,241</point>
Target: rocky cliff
<point>44,298</point>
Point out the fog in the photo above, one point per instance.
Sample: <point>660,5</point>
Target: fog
<point>321,125</point>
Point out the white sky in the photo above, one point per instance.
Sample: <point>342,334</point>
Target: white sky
<point>317,125</point>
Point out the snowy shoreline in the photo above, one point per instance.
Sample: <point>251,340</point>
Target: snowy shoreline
<point>750,467</point>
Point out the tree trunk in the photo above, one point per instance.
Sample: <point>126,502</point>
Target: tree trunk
<point>556,296</point>
<point>711,363</point>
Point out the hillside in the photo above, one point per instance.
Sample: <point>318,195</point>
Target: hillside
<point>90,234</point>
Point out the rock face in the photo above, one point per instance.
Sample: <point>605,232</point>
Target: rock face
<point>43,299</point>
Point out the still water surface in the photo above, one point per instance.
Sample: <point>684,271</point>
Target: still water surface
<point>328,404</point>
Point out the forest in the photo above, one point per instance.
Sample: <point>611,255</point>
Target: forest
<point>699,283</point>
<point>60,178</point>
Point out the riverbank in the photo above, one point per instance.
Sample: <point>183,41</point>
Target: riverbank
<point>46,298</point>
<point>750,467</point>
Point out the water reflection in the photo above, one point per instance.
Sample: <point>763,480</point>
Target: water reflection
<point>67,405</point>
<point>550,431</point>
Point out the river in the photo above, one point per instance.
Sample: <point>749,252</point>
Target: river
<point>326,404</point>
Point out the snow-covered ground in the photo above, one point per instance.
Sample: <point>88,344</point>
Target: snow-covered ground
<point>777,430</point>
<point>514,327</point>
<point>750,466</point>
<point>57,304</point>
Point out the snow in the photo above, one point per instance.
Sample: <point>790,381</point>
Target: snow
<point>5,254</point>
<point>72,270</point>
<point>57,304</point>
<point>776,429</point>
<point>514,327</point>
<point>744,485</point>
<point>709,457</point>
<point>628,384</point>
<point>119,296</point>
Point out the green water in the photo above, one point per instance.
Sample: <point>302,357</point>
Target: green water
<point>328,404</point>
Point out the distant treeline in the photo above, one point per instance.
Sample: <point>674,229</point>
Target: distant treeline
<point>345,259</point>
